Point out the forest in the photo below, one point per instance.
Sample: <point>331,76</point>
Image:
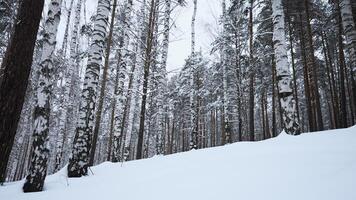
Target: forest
<point>78,88</point>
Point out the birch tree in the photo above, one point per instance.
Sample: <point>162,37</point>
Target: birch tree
<point>38,167</point>
<point>78,162</point>
<point>282,70</point>
<point>121,76</point>
<point>192,95</point>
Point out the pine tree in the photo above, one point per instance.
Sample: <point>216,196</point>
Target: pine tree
<point>350,32</point>
<point>147,65</point>
<point>15,75</point>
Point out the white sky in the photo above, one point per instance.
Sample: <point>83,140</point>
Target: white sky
<point>208,14</point>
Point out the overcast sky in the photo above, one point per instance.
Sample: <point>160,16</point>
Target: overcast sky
<point>208,13</point>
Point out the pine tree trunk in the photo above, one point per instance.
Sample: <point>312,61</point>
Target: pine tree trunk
<point>314,88</point>
<point>342,64</point>
<point>328,65</point>
<point>306,76</point>
<point>78,163</point>
<point>147,64</point>
<point>268,133</point>
<point>274,119</point>
<point>15,75</point>
<point>252,77</point>
<point>283,74</point>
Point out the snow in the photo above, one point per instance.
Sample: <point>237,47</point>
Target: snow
<point>313,166</point>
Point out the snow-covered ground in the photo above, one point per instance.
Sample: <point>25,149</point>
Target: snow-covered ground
<point>313,166</point>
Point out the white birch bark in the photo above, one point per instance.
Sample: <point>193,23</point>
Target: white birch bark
<point>38,167</point>
<point>78,163</point>
<point>70,80</point>
<point>224,59</point>
<point>193,114</point>
<point>132,126</point>
<point>119,90</point>
<point>283,72</point>
<point>162,71</point>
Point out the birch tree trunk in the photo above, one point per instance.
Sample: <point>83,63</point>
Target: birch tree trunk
<point>227,129</point>
<point>103,85</point>
<point>78,162</point>
<point>38,167</point>
<point>121,76</point>
<point>161,77</point>
<point>66,87</point>
<point>65,39</point>
<point>193,114</point>
<point>282,68</point>
<point>71,86</point>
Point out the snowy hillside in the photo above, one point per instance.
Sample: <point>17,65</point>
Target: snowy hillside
<point>308,167</point>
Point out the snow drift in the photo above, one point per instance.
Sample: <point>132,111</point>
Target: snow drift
<point>313,166</point>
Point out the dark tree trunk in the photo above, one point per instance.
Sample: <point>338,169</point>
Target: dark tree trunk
<point>17,65</point>
<point>268,133</point>
<point>328,65</point>
<point>306,76</point>
<point>252,78</point>
<point>147,64</point>
<point>343,111</point>
<point>313,78</point>
<point>274,123</point>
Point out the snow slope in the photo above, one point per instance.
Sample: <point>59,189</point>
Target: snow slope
<point>312,166</point>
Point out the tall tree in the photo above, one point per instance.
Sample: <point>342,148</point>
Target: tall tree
<point>120,78</point>
<point>282,68</point>
<point>38,167</point>
<point>252,76</point>
<point>227,126</point>
<point>348,23</point>
<point>17,65</point>
<point>313,78</point>
<point>146,68</point>
<point>78,163</point>
<point>342,67</point>
<point>193,114</point>
<point>104,79</point>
